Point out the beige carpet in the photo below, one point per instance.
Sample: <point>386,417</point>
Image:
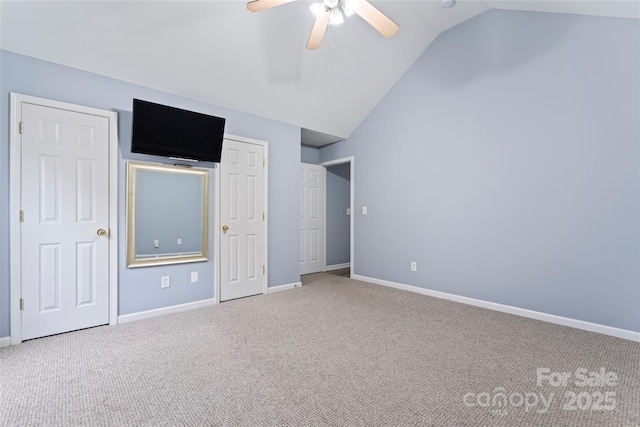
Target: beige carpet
<point>344,272</point>
<point>334,352</point>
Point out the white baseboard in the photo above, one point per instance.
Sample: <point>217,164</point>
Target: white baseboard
<point>165,310</point>
<point>337,266</point>
<point>5,342</point>
<point>531,314</point>
<point>284,287</point>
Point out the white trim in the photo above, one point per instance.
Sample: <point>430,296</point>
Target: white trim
<point>337,266</point>
<point>323,212</point>
<point>15,273</point>
<point>216,236</point>
<point>113,217</point>
<point>352,174</point>
<point>265,260</point>
<point>531,314</point>
<point>216,233</point>
<point>284,287</point>
<point>5,342</point>
<point>141,315</point>
<point>15,203</point>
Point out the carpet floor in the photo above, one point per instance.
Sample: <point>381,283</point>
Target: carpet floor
<point>335,352</point>
<point>344,272</point>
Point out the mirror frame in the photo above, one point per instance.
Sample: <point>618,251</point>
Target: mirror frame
<point>132,171</point>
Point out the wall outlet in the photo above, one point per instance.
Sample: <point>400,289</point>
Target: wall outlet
<point>364,210</point>
<point>414,266</point>
<point>348,211</point>
<point>165,281</point>
<point>194,277</point>
<point>179,241</point>
<point>156,243</point>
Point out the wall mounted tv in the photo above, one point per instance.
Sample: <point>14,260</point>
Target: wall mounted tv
<point>172,132</point>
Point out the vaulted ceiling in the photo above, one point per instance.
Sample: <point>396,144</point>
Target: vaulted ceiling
<point>219,52</point>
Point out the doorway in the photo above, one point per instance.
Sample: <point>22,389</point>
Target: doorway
<point>63,207</point>
<point>242,219</point>
<point>339,217</point>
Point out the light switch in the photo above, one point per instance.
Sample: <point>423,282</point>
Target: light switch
<point>364,210</point>
<point>179,241</point>
<point>194,276</point>
<point>348,211</point>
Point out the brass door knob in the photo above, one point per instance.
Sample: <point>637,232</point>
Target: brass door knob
<point>101,232</point>
<point>225,228</point>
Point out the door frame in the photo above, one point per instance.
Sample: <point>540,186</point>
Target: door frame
<point>15,193</point>
<point>265,224</point>
<point>351,160</point>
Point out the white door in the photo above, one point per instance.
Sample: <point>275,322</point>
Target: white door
<point>65,204</point>
<point>242,216</point>
<point>312,211</point>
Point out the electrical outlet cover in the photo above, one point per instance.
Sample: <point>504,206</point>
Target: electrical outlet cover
<point>165,281</point>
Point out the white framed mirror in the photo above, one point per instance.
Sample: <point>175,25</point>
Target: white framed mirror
<point>167,214</point>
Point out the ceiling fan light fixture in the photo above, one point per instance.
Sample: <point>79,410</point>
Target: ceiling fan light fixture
<point>318,9</point>
<point>335,12</point>
<point>336,16</point>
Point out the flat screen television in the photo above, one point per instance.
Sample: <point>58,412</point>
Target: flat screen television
<point>172,132</point>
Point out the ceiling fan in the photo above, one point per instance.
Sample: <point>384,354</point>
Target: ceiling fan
<point>333,12</point>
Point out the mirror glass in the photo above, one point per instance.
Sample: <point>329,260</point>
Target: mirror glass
<point>167,211</point>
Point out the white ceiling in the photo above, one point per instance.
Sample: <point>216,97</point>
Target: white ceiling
<point>219,52</point>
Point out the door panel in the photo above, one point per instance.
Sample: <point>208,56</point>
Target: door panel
<point>49,277</point>
<point>242,208</point>
<point>85,264</point>
<point>86,187</point>
<point>312,247</point>
<point>65,190</point>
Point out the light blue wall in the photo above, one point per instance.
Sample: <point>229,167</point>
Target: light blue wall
<point>310,155</point>
<point>338,198</point>
<point>140,288</point>
<point>506,161</point>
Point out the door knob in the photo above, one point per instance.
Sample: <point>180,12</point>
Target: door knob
<point>225,228</point>
<point>101,232</point>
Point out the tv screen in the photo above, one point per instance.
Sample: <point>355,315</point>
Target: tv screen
<point>172,132</point>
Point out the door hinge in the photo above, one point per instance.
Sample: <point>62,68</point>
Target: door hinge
<point>21,127</point>
<point>264,161</point>
<point>21,216</point>
<point>263,216</point>
<point>21,304</point>
<point>263,270</point>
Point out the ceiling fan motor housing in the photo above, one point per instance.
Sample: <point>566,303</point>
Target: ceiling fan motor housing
<point>347,7</point>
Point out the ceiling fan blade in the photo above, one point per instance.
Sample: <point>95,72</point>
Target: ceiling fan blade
<point>377,19</point>
<point>258,5</point>
<point>317,33</point>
